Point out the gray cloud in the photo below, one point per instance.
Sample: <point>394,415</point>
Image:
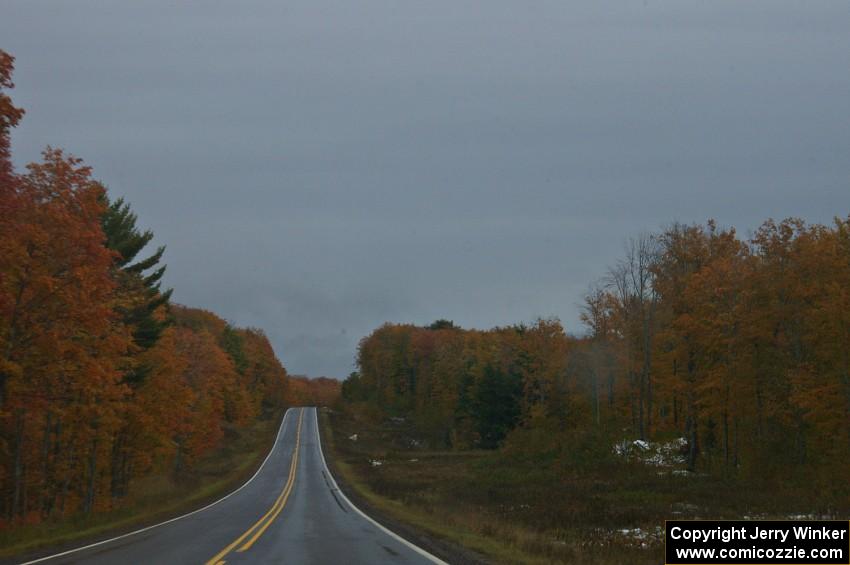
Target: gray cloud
<point>317,168</point>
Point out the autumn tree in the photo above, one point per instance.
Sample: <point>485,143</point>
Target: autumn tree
<point>62,341</point>
<point>738,346</point>
<point>96,386</point>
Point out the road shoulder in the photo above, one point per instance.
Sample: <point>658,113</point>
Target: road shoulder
<point>444,549</point>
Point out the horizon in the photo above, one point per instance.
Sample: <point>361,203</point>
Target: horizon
<point>391,163</point>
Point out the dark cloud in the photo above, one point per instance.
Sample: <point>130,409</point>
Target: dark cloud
<point>317,168</point>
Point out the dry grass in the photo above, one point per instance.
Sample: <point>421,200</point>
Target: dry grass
<point>527,506</point>
<point>462,497</point>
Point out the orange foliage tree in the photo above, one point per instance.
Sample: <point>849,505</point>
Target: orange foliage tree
<point>99,382</point>
<point>738,346</point>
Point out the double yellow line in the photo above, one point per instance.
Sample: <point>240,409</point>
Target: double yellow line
<point>254,532</point>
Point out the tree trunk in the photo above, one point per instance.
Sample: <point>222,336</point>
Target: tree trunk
<point>800,438</point>
<point>18,466</point>
<point>66,483</point>
<point>633,402</point>
<point>11,336</point>
<point>735,452</point>
<point>641,414</point>
<point>646,373</point>
<point>45,462</point>
<point>118,462</point>
<point>726,452</point>
<point>691,425</point>
<point>845,380</point>
<point>89,503</point>
<point>595,385</point>
<point>693,446</point>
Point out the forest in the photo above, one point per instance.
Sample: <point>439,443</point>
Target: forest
<point>737,346</point>
<point>102,380</point>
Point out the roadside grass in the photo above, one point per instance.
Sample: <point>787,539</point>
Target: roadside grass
<point>157,497</point>
<point>460,496</point>
<point>515,507</point>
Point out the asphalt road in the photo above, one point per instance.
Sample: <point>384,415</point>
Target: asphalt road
<point>291,511</point>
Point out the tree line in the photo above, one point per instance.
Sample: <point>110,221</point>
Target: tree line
<point>318,391</point>
<point>102,380</point>
<point>741,346</point>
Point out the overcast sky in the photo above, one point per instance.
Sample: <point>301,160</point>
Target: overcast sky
<point>317,168</point>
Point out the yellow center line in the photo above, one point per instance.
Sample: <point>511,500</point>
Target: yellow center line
<point>285,494</point>
<point>263,523</point>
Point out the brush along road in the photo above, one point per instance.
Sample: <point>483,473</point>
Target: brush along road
<point>290,511</point>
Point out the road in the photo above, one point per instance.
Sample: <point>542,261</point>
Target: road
<point>291,511</point>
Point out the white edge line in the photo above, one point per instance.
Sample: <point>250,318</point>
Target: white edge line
<point>210,505</point>
<point>387,531</point>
